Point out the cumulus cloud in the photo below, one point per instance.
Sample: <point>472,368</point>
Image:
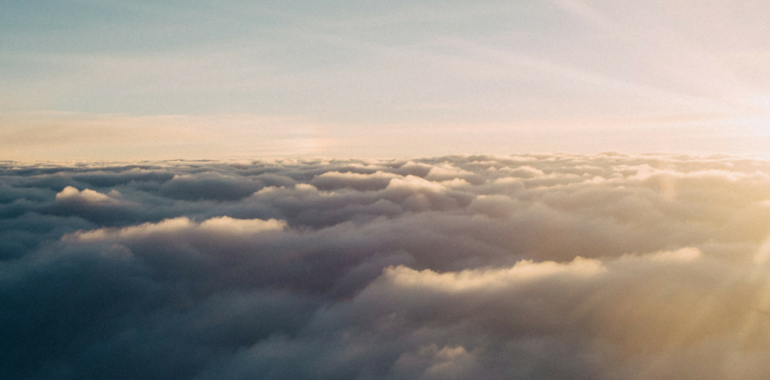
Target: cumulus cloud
<point>71,195</point>
<point>465,267</point>
<point>221,225</point>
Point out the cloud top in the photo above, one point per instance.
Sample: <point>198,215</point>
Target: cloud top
<point>223,225</point>
<point>467,267</point>
<point>71,195</point>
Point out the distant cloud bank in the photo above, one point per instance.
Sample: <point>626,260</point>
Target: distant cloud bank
<point>462,267</point>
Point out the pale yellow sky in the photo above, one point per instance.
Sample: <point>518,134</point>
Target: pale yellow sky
<point>108,80</point>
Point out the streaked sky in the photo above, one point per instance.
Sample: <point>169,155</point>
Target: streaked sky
<point>121,80</point>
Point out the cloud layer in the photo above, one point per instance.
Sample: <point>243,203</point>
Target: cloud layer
<point>471,267</point>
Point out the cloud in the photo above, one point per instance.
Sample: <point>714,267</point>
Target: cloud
<point>209,185</point>
<point>470,280</point>
<point>468,267</point>
<point>88,196</point>
<point>222,225</point>
<point>413,183</point>
<point>335,180</point>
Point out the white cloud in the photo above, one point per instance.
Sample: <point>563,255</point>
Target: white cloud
<point>484,280</point>
<point>220,225</point>
<point>229,225</point>
<point>71,194</point>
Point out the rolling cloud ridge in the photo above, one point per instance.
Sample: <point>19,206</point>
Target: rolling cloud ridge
<point>549,266</point>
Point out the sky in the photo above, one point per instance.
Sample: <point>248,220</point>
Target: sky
<point>131,80</point>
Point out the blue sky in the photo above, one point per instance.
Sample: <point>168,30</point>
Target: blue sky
<point>236,79</point>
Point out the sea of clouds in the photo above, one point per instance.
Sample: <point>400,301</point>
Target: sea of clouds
<point>464,267</point>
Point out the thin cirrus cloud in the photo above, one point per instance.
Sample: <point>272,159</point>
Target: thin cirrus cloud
<point>470,267</point>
